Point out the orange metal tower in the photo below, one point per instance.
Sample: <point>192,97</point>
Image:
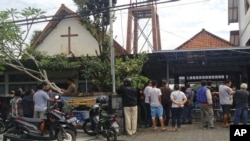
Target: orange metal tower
<point>142,9</point>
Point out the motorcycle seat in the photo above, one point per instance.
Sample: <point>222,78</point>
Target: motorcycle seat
<point>34,120</point>
<point>25,123</point>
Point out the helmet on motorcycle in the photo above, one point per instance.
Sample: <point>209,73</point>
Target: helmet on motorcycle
<point>102,99</point>
<point>99,99</point>
<point>127,82</point>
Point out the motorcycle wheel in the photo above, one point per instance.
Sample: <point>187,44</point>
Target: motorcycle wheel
<point>111,135</point>
<point>2,127</point>
<point>87,128</point>
<point>70,135</point>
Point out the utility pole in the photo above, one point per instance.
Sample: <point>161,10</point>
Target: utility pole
<point>112,56</point>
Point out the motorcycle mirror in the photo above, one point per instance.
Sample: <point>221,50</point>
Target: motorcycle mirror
<point>57,97</point>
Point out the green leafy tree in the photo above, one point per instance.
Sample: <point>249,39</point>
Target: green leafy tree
<point>131,66</point>
<point>14,49</point>
<point>35,35</point>
<point>95,16</point>
<point>92,68</point>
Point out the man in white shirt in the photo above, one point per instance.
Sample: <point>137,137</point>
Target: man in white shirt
<point>226,100</point>
<point>147,120</point>
<point>155,105</point>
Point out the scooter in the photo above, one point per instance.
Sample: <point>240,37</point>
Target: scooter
<point>99,123</point>
<point>57,127</point>
<point>7,124</point>
<point>2,126</point>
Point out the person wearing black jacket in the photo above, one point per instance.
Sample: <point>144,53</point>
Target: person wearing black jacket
<point>129,101</point>
<point>166,101</point>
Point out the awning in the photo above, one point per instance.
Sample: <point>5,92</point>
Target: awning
<point>204,60</point>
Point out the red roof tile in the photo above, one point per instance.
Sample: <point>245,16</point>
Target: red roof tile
<point>204,39</point>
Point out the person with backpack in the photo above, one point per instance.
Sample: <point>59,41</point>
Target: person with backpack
<point>204,97</point>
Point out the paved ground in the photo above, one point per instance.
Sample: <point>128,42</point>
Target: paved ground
<point>192,132</point>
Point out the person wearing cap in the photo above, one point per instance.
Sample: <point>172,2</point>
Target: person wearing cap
<point>241,104</point>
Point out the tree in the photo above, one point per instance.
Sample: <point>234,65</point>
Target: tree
<point>35,35</point>
<point>94,69</point>
<point>131,66</point>
<point>14,50</point>
<point>95,16</point>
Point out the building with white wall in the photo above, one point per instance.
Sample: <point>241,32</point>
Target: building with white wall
<point>64,34</point>
<point>239,12</point>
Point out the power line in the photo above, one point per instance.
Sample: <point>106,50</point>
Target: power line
<point>100,10</point>
<point>184,4</point>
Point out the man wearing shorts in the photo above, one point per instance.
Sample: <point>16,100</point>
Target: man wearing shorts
<point>156,106</point>
<point>226,100</point>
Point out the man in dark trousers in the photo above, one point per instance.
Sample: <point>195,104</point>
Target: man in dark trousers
<point>165,99</point>
<point>129,101</point>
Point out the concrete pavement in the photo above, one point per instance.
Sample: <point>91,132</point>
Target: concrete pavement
<point>188,132</point>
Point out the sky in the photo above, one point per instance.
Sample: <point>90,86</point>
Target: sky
<point>179,21</point>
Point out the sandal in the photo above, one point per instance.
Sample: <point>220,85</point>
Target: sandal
<point>154,129</point>
<point>173,129</point>
<point>163,129</point>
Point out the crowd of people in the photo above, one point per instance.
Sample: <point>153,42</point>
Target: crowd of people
<point>32,103</point>
<point>155,105</point>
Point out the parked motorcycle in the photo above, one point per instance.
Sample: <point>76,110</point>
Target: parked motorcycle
<point>57,127</point>
<point>99,123</point>
<point>2,126</point>
<point>7,124</point>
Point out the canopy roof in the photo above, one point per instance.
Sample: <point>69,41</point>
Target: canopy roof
<point>204,61</point>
